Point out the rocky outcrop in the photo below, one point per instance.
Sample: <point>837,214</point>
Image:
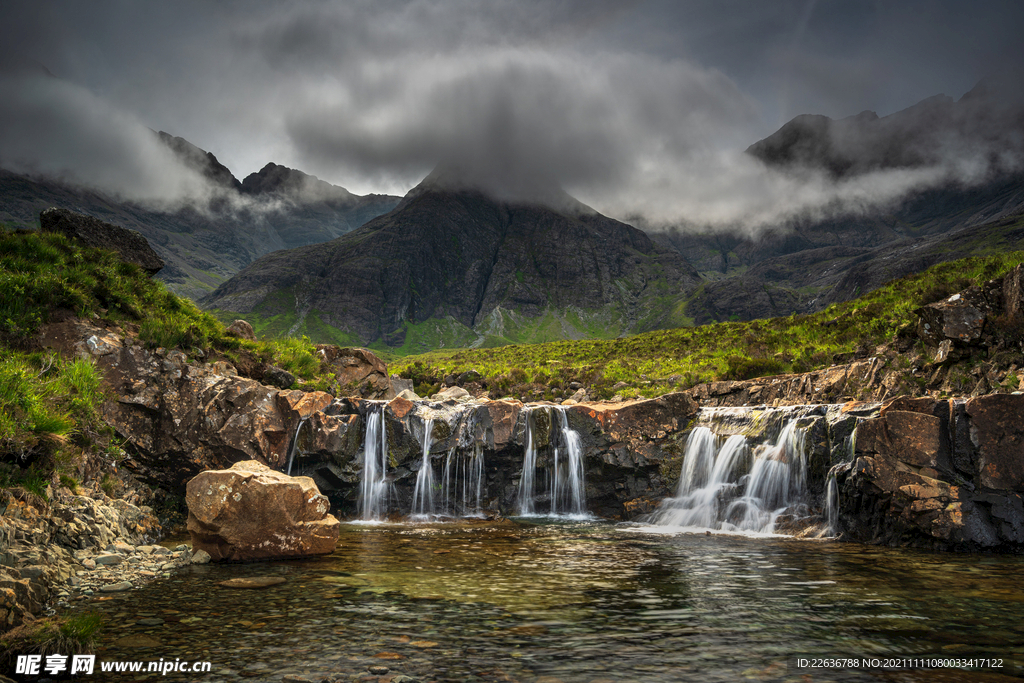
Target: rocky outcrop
<point>357,372</point>
<point>92,232</point>
<point>943,474</point>
<point>178,416</point>
<point>251,512</point>
<point>47,548</point>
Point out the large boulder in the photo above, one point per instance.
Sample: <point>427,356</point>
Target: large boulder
<point>251,512</point>
<point>357,372</point>
<point>92,232</point>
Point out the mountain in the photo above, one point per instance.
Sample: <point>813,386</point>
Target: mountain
<point>986,121</point>
<point>452,266</point>
<point>205,244</point>
<point>804,266</point>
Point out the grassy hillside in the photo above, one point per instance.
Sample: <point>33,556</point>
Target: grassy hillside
<point>654,363</point>
<point>49,406</point>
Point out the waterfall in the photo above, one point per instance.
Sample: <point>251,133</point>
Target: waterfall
<point>529,468</point>
<point>295,446</point>
<point>717,492</point>
<point>423,495</point>
<point>374,488</point>
<point>567,492</point>
<point>462,483</point>
<point>565,475</point>
<point>832,501</point>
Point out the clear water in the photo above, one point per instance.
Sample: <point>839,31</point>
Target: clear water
<point>590,602</point>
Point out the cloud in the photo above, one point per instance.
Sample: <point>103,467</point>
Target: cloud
<point>638,109</point>
<point>52,128</point>
<point>517,116</point>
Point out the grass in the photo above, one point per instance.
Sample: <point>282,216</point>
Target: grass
<point>71,635</point>
<point>657,362</point>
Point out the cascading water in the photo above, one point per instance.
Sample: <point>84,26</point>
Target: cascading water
<point>716,490</point>
<point>295,446</point>
<point>566,476</point>
<point>529,467</point>
<point>832,501</point>
<point>423,495</point>
<point>567,486</point>
<point>462,483</point>
<point>374,488</point>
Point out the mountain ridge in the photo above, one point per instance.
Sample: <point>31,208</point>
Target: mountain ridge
<point>483,267</point>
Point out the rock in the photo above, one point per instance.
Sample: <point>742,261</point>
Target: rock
<point>200,557</point>
<point>116,587</point>
<point>250,512</point>
<point>242,330</point>
<point>137,641</point>
<point>959,318</point>
<point>400,384</point>
<point>301,405</point>
<point>997,431</point>
<point>150,621</point>
<point>252,582</point>
<point>92,232</point>
<point>1013,291</point>
<point>225,368</point>
<point>279,377</point>
<point>357,372</point>
<point>408,395</point>
<point>378,670</point>
<point>454,393</point>
<point>108,559</point>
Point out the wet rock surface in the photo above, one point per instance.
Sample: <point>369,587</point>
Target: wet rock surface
<point>251,512</point>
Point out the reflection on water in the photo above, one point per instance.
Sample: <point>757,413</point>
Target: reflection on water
<point>579,602</point>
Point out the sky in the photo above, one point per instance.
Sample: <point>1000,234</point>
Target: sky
<point>637,108</point>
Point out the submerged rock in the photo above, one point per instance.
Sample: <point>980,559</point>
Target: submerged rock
<point>251,512</point>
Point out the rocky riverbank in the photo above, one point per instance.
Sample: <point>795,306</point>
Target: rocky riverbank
<point>76,547</point>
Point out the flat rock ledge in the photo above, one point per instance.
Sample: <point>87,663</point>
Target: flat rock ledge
<point>251,512</point>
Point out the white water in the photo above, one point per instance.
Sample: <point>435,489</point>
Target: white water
<point>462,484</point>
<point>374,488</point>
<point>567,486</point>
<point>736,488</point>
<point>566,475</point>
<point>295,446</point>
<point>529,468</point>
<point>423,495</point>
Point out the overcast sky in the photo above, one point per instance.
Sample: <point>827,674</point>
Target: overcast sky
<point>632,106</point>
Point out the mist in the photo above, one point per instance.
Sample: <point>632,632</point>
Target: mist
<point>642,111</point>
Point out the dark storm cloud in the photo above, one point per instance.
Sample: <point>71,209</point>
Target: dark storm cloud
<point>638,108</point>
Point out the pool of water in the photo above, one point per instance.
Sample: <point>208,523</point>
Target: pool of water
<point>577,601</point>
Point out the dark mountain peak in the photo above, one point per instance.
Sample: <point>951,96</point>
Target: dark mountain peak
<point>452,265</point>
<point>866,116</point>
<point>274,179</point>
<point>451,179</point>
<point>936,130</point>
<point>200,160</point>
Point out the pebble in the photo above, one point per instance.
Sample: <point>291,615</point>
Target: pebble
<point>378,670</point>
<point>150,621</point>
<point>116,587</point>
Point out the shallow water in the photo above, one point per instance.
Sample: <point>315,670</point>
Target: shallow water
<point>578,602</point>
